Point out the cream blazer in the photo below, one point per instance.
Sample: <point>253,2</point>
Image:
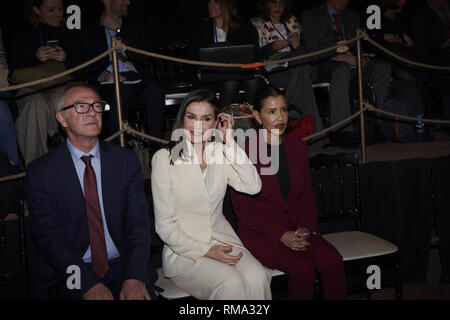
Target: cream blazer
<point>188,212</point>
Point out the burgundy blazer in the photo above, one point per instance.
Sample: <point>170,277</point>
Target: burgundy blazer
<point>266,216</point>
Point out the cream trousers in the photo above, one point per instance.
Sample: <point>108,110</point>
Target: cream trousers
<point>213,280</point>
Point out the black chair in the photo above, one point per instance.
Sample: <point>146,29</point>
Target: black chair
<point>11,201</point>
<point>336,183</point>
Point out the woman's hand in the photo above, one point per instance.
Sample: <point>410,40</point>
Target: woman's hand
<point>294,40</point>
<point>389,37</point>
<point>302,233</point>
<point>347,57</point>
<point>45,53</point>
<point>280,44</point>
<point>59,54</point>
<point>408,40</point>
<point>225,126</point>
<point>221,253</point>
<point>109,77</point>
<point>295,240</point>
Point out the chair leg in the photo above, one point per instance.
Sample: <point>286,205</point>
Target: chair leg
<point>2,246</point>
<point>318,289</point>
<point>398,282</point>
<point>23,257</point>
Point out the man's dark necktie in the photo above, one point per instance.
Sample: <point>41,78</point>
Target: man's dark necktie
<point>99,255</point>
<point>338,34</point>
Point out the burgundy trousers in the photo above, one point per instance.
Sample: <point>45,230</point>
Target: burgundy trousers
<point>301,267</point>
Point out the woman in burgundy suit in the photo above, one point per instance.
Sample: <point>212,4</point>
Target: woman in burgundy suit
<point>279,225</point>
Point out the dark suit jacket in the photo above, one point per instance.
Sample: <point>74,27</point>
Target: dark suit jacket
<point>317,30</point>
<point>429,35</point>
<point>59,223</point>
<point>94,43</point>
<point>265,217</point>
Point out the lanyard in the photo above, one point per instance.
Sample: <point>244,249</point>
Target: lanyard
<point>285,27</point>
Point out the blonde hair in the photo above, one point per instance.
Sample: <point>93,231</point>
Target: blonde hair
<point>229,12</point>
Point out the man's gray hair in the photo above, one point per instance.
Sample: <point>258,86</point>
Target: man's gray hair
<point>59,103</point>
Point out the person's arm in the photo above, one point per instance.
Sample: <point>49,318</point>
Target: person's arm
<point>264,52</point>
<point>137,225</point>
<point>48,233</point>
<point>166,219</point>
<point>252,212</point>
<point>312,40</point>
<point>241,173</point>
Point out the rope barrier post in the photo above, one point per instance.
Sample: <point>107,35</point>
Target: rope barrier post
<point>361,97</point>
<point>117,86</point>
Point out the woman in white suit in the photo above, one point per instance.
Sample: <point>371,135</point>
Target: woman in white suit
<point>202,253</point>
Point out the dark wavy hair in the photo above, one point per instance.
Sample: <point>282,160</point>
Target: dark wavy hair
<point>264,93</point>
<point>265,14</point>
<point>199,95</point>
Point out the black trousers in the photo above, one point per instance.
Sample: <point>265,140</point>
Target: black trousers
<point>147,96</point>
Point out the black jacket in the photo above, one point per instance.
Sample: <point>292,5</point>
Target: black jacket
<point>429,35</point>
<point>24,43</point>
<point>94,43</point>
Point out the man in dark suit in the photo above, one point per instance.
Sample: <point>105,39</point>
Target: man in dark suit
<point>88,211</point>
<point>325,25</point>
<point>431,33</point>
<point>138,89</point>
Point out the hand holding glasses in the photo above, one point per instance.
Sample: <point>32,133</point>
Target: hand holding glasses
<point>84,107</point>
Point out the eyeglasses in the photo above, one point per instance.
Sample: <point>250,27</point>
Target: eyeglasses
<point>84,107</point>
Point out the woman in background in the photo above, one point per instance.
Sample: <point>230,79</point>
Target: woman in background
<point>36,52</point>
<point>224,27</point>
<point>279,224</point>
<point>277,35</point>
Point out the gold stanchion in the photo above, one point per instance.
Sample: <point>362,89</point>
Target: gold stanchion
<point>361,97</point>
<point>117,86</point>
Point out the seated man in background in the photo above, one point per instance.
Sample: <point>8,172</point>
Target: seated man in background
<point>138,89</point>
<point>88,210</point>
<point>329,23</point>
<point>431,34</point>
